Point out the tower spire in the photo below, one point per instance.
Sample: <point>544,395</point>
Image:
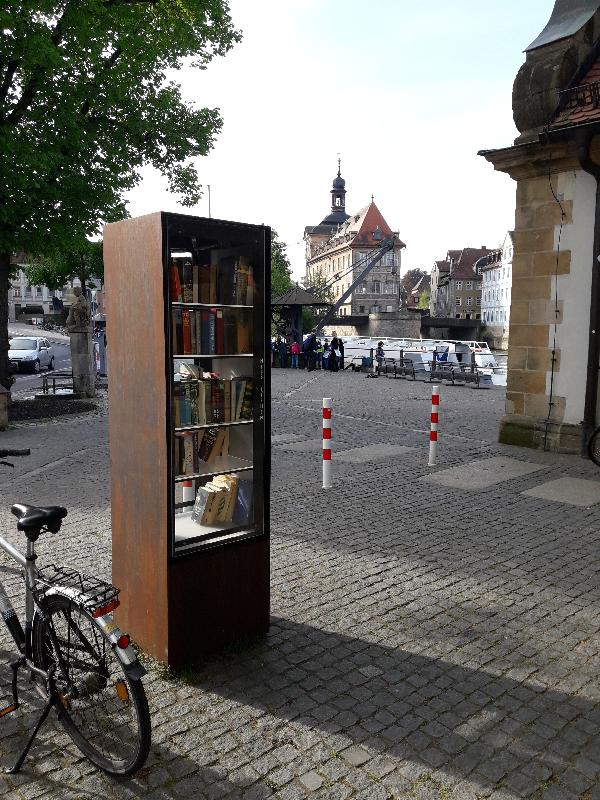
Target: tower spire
<point>338,191</point>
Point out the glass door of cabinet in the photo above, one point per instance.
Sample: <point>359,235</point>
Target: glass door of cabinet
<point>216,317</point>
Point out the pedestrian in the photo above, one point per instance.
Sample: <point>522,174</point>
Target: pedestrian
<point>341,349</point>
<point>334,353</point>
<point>309,347</point>
<point>319,355</point>
<point>281,353</point>
<point>294,353</point>
<point>379,356</point>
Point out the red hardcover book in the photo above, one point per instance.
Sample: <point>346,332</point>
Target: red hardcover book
<point>219,332</point>
<point>175,283</point>
<point>187,331</point>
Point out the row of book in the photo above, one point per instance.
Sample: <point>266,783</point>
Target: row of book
<point>202,402</point>
<point>211,331</point>
<point>193,450</point>
<point>226,498</point>
<point>229,281</point>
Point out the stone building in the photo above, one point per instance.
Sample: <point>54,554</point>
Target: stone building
<point>26,301</point>
<point>457,284</point>
<point>554,329</point>
<point>341,244</point>
<point>496,273</point>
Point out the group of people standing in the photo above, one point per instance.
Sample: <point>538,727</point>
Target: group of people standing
<point>311,354</point>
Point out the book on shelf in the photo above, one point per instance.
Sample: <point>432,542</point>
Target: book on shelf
<point>187,282</point>
<point>201,401</point>
<point>247,401</point>
<point>216,500</point>
<point>211,331</point>
<point>227,279</point>
<point>186,331</point>
<point>175,282</point>
<point>193,450</point>
<point>195,283</point>
<point>204,505</point>
<point>243,510</point>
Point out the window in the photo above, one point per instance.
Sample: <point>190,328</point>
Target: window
<point>16,290</point>
<point>469,301</point>
<point>376,287</point>
<point>469,285</point>
<point>459,284</point>
<point>361,309</point>
<point>458,301</point>
<point>479,301</point>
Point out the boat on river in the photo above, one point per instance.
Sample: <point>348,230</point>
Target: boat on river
<point>421,352</point>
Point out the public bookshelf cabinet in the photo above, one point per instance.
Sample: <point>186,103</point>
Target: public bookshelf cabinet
<point>189,425</point>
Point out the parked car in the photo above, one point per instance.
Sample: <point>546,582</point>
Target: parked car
<point>30,353</point>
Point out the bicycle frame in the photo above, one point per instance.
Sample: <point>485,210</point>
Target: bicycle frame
<point>21,638</point>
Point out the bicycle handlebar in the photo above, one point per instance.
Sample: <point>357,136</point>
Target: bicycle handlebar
<point>6,453</point>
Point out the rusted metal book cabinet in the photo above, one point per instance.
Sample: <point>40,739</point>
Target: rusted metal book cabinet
<point>189,423</point>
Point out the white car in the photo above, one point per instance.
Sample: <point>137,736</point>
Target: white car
<point>30,353</point>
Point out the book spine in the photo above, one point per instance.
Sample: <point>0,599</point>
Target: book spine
<point>219,332</point>
<point>212,338</point>
<point>187,333</point>
<point>195,284</point>
<point>187,282</point>
<point>204,342</point>
<point>175,283</point>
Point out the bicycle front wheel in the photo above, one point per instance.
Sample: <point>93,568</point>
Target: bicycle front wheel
<point>593,447</point>
<point>104,712</point>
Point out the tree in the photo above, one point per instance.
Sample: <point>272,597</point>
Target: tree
<point>423,299</point>
<point>85,101</point>
<point>317,285</point>
<point>281,272</point>
<point>81,260</point>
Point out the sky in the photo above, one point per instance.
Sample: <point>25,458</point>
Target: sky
<point>406,93</point>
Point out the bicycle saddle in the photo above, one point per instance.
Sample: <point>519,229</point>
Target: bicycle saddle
<point>32,518</point>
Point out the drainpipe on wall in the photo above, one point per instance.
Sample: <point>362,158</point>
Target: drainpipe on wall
<point>583,140</point>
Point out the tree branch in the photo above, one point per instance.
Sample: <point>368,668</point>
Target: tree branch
<point>18,111</point>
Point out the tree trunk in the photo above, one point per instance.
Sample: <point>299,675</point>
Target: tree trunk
<point>6,378</point>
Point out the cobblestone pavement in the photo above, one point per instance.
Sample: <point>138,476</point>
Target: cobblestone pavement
<point>427,641</point>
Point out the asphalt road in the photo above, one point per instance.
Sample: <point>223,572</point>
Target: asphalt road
<point>62,361</point>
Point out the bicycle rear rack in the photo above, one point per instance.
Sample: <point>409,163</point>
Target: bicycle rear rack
<point>96,596</point>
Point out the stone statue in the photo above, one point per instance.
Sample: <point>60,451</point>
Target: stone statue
<point>78,320</point>
<point>83,361</point>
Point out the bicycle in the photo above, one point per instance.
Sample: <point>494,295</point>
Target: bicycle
<point>593,446</point>
<point>81,664</point>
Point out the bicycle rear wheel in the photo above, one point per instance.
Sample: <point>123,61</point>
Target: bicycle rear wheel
<point>593,447</point>
<point>104,712</point>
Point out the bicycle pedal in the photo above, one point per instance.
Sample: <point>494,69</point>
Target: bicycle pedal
<point>9,709</point>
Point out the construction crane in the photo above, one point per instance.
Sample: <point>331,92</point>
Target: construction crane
<point>384,247</point>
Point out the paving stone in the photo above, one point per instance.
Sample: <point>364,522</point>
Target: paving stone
<point>574,491</point>
<point>356,756</point>
<point>311,780</point>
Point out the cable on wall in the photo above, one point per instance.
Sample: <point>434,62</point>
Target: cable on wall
<point>556,308</point>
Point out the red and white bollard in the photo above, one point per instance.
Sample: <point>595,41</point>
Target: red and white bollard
<point>327,443</point>
<point>188,495</point>
<point>433,433</point>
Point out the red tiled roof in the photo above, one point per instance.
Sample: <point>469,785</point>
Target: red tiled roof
<point>443,266</point>
<point>581,103</point>
<point>470,255</point>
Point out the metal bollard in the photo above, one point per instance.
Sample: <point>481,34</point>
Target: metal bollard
<point>327,443</point>
<point>433,433</point>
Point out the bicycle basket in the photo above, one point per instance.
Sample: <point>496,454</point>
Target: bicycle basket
<point>96,596</point>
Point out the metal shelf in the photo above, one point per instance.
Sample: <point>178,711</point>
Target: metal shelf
<point>214,425</point>
<point>221,465</point>
<point>214,355</point>
<point>180,304</point>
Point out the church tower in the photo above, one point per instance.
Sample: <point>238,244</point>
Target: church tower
<point>316,234</point>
